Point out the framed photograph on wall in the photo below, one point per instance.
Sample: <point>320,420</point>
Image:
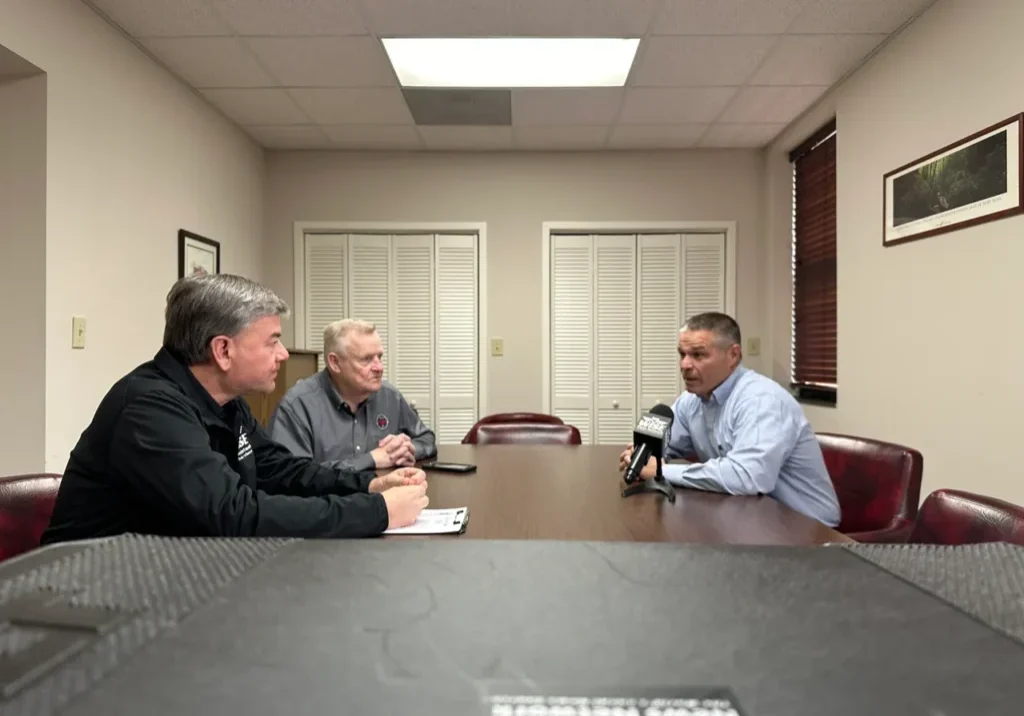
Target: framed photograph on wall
<point>197,255</point>
<point>972,181</point>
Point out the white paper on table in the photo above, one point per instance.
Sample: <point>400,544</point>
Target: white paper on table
<point>434,522</point>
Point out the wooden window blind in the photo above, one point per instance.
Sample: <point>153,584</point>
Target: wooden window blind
<point>814,330</point>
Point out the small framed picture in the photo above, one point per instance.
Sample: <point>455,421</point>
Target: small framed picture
<point>972,181</point>
<point>197,255</point>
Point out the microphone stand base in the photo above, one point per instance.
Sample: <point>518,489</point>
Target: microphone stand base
<point>651,485</point>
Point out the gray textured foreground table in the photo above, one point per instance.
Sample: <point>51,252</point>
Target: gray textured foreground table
<point>984,580</point>
<point>455,626</point>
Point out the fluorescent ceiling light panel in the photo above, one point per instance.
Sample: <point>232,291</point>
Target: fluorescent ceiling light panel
<point>480,62</point>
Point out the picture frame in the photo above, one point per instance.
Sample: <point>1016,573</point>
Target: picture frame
<point>197,254</point>
<point>969,182</point>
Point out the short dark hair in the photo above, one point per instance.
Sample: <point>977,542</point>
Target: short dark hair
<point>199,308</point>
<point>725,328</point>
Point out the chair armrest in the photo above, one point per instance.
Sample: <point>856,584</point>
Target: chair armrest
<point>896,533</point>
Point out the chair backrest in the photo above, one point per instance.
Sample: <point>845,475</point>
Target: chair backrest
<point>957,517</point>
<point>528,434</point>
<point>26,503</point>
<point>509,418</point>
<point>878,483</point>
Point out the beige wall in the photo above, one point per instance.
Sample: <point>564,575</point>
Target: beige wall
<point>514,195</point>
<point>928,349</point>
<point>132,156</point>
<point>23,274</point>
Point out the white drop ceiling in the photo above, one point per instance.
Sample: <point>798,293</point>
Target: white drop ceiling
<point>312,74</point>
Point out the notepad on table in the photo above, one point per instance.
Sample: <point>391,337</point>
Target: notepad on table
<point>435,522</point>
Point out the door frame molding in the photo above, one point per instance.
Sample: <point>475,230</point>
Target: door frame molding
<point>479,229</point>
<point>622,227</point>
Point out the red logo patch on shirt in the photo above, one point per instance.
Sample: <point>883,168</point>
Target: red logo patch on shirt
<point>382,421</point>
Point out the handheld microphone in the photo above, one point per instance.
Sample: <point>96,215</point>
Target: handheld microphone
<point>648,439</point>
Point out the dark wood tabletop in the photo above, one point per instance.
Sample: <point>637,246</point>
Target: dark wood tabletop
<point>560,492</point>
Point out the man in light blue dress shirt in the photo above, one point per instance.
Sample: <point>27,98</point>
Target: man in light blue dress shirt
<point>749,433</point>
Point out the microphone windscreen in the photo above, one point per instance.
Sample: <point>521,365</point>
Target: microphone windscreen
<point>662,410</point>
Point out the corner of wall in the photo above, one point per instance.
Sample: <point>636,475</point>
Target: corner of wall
<point>23,282</point>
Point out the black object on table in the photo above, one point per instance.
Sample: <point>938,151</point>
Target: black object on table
<point>468,626</point>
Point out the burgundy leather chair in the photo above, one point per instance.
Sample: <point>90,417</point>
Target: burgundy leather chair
<point>956,517</point>
<point>878,485</point>
<point>530,418</point>
<point>527,434</point>
<point>26,503</point>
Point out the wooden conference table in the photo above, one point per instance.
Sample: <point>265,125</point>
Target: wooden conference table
<point>574,492</point>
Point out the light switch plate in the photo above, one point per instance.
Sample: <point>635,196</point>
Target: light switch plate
<point>753,346</point>
<point>78,331</point>
<point>497,347</point>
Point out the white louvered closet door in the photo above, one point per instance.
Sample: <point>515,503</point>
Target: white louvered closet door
<point>412,322</point>
<point>457,336</point>
<point>703,273</point>
<point>659,301</point>
<point>614,350</point>
<point>326,282</point>
<point>572,319</point>
<point>369,286</point>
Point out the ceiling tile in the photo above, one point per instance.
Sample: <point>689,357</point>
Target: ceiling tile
<point>852,16</point>
<point>771,104</point>
<point>295,17</point>
<point>467,138</point>
<point>580,18</point>
<point>437,18</point>
<point>726,17</point>
<point>210,61</point>
<point>814,59</point>
<point>674,106</point>
<point>256,106</point>
<point>324,61</point>
<point>699,61</point>
<point>162,18</point>
<point>305,136</point>
<point>677,136</point>
<point>353,106</point>
<point>374,136</point>
<point>467,107</point>
<point>741,135</point>
<point>549,138</point>
<point>597,105</point>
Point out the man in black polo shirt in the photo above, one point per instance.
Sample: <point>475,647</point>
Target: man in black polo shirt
<point>174,450</point>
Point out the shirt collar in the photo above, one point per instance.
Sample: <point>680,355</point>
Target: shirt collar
<point>171,365</point>
<point>725,388</point>
<point>334,396</point>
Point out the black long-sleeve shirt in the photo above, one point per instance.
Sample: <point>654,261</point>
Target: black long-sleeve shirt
<point>162,457</point>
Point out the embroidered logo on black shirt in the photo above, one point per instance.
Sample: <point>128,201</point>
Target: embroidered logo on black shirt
<point>244,448</point>
<point>382,421</point>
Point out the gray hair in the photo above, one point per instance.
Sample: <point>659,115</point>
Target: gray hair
<point>200,308</point>
<point>724,327</point>
<point>335,333</point>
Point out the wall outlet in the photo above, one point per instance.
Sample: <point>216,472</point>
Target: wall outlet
<point>497,347</point>
<point>78,331</point>
<point>753,346</point>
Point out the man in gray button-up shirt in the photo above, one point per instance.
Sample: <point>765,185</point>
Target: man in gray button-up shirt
<point>347,415</point>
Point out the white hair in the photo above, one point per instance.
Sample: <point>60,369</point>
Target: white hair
<point>335,334</point>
